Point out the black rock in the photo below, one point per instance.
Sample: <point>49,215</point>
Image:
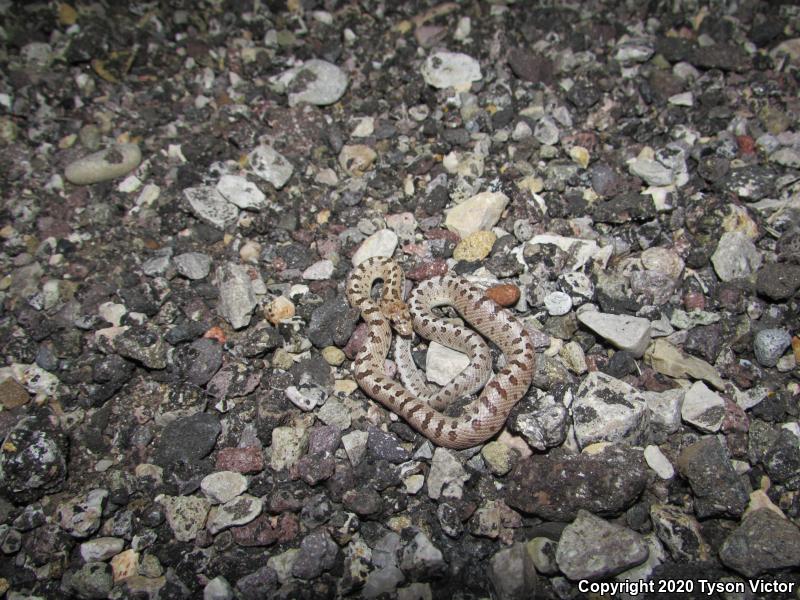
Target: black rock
<point>187,439</point>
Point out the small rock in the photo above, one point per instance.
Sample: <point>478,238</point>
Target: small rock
<point>113,162</point>
<point>717,488</point>
<point>270,165</point>
<point>475,246</point>
<point>80,517</point>
<point>680,533</point>
<point>703,408</point>
<point>608,409</point>
<point>381,243</point>
<point>92,580</point>
<point>504,294</point>
<point>451,69</point>
<point>319,271</point>
<point>280,309</point>
<point>447,475</point>
<point>241,460</point>
<point>592,548</point>
<point>288,445</point>
<point>512,573</point>
<point>385,446</point>
<point>443,364</point>
<point>125,565</point>
<point>778,281</point>
<point>315,82</point>
<point>239,511</point>
<point>770,344</point>
<point>101,548</point>
<point>218,589</point>
<point>33,460</point>
<point>208,205</point>
<point>498,457</point>
<point>193,265</point>
<point>356,159</point>
<point>355,444</point>
<point>557,303</point>
<point>480,212</point>
<point>186,515</point>
<point>223,486</point>
<point>624,332</point>
<point>244,194</point>
<point>605,481</point>
<point>546,131</point>
<point>736,257</point>
<point>658,462</point>
<point>317,554</point>
<point>237,298</point>
<point>763,542</point>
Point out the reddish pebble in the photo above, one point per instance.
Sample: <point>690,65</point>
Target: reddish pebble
<point>442,234</point>
<point>694,301</point>
<point>356,341</point>
<point>747,145</point>
<point>427,270</point>
<point>215,333</point>
<point>505,294</point>
<point>735,418</point>
<point>241,460</point>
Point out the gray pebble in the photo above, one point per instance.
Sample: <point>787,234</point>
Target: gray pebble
<point>770,344</point>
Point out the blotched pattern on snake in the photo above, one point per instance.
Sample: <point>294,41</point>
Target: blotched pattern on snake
<point>415,402</point>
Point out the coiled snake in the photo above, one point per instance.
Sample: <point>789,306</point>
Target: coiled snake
<point>415,402</point>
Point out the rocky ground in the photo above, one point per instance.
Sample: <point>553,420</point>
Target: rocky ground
<point>185,187</point>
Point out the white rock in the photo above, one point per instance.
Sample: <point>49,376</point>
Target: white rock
<point>317,82</point>
<point>608,409</point>
<point>223,486</point>
<point>186,515</point>
<point>239,511</point>
<point>736,256</point>
<point>652,171</point>
<point>381,243</point>
<point>237,298</point>
<point>355,445</point>
<point>658,462</point>
<point>580,250</point>
<point>112,312</point>
<point>451,69</point>
<point>113,162</point>
<point>244,194</point>
<point>442,364</point>
<point>665,410</point>
<point>365,127</point>
<point>623,331</point>
<point>101,548</point>
<point>481,212</point>
<point>557,303</point>
<point>218,589</point>
<point>210,206</point>
<point>447,475</point>
<point>320,270</point>
<point>270,165</point>
<point>703,408</point>
<point>682,99</point>
<point>546,131</point>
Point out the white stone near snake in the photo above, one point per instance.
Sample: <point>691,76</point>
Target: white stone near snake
<point>414,400</point>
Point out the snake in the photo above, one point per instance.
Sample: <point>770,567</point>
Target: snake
<point>412,399</point>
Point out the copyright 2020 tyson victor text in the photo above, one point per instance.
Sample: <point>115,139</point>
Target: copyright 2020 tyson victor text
<point>686,586</point>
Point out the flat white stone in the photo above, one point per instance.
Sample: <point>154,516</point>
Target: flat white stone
<point>320,270</point>
<point>442,364</point>
<point>451,69</point>
<point>210,206</point>
<point>658,462</point>
<point>223,486</point>
<point>703,408</point>
<point>623,331</point>
<point>244,194</point>
<point>381,243</point>
<point>481,212</point>
<point>317,82</point>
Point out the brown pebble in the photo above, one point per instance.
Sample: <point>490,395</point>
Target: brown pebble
<point>505,294</point>
<point>216,333</point>
<point>694,301</point>
<point>12,394</point>
<point>242,460</point>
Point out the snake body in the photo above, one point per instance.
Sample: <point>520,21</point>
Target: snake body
<point>416,402</point>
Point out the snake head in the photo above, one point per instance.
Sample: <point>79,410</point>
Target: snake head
<point>399,316</point>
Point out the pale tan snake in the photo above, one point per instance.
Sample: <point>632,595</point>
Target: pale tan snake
<point>417,404</point>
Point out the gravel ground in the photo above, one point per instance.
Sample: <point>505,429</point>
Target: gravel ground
<point>185,188</point>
